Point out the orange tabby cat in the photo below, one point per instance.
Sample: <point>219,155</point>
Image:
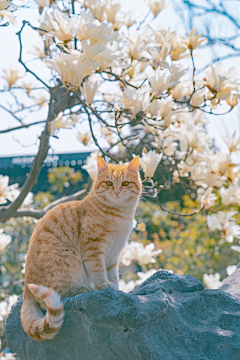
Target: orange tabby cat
<point>75,247</point>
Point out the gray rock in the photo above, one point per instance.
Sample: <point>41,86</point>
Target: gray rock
<point>168,317</point>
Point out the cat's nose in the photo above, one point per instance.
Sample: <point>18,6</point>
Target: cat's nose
<point>117,192</point>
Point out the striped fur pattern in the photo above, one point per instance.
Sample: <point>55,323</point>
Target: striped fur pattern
<point>75,247</point>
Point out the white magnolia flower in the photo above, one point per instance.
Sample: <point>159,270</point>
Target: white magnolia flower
<point>156,6</point>
<point>4,240</point>
<point>88,90</point>
<point>206,197</point>
<point>230,195</point>
<point>160,80</point>
<point>11,76</point>
<point>112,10</point>
<point>62,26</point>
<point>146,255</point>
<point>213,222</point>
<point>5,306</point>
<point>3,309</point>
<point>178,44</point>
<point>194,41</point>
<point>39,50</point>
<point>224,222</point>
<point>169,145</point>
<point>135,251</point>
<point>199,172</point>
<point>163,109</point>
<point>144,276</point>
<point>91,165</point>
<point>61,121</point>
<point>84,137</point>
<point>87,27</point>
<point>7,192</point>
<point>231,231</point>
<point>11,301</point>
<point>138,99</point>
<point>72,68</point>
<point>5,13</point>
<point>212,281</point>
<point>159,53</point>
<point>98,10</point>
<point>149,162</point>
<point>136,44</point>
<point>23,268</point>
<point>236,248</point>
<point>199,97</point>
<point>28,199</point>
<point>126,287</point>
<point>108,134</point>
<point>220,82</point>
<point>233,143</point>
<point>42,4</point>
<point>230,269</point>
<point>176,70</point>
<point>41,99</point>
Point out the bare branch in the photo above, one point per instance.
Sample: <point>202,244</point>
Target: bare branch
<point>11,113</point>
<point>8,211</point>
<point>24,126</point>
<point>38,214</point>
<point>19,33</point>
<point>176,213</point>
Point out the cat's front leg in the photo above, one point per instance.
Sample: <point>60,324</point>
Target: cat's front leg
<point>112,274</point>
<point>95,266</point>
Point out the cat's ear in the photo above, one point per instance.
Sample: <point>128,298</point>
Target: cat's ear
<point>102,165</point>
<point>134,165</point>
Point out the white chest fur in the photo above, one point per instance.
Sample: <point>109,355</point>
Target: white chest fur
<point>117,241</point>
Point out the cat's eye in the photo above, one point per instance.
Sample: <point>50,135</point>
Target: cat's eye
<point>109,183</point>
<point>125,183</point>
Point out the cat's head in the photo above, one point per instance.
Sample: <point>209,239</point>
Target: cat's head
<point>118,183</point>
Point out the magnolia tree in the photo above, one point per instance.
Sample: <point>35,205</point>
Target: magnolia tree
<point>134,90</point>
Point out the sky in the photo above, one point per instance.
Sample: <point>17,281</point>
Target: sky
<point>24,142</point>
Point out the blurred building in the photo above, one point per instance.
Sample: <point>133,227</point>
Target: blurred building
<point>18,167</point>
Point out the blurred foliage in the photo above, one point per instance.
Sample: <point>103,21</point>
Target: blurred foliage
<point>62,177</point>
<point>187,245</point>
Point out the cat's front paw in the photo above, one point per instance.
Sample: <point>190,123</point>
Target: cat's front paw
<point>107,286</point>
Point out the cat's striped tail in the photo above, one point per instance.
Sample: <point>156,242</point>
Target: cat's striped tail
<point>34,322</point>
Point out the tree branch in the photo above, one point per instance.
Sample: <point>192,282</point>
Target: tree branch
<point>8,211</point>
<point>19,33</point>
<point>24,126</point>
<point>38,214</point>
